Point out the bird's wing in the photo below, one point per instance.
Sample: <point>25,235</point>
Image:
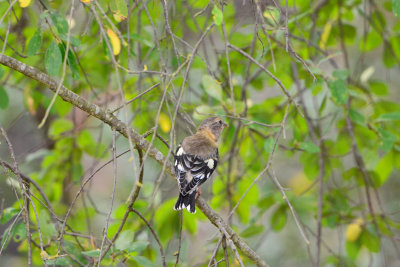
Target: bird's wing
<point>191,171</point>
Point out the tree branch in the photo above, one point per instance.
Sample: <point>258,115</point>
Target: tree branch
<point>108,118</point>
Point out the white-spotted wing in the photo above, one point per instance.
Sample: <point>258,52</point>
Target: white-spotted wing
<point>192,171</point>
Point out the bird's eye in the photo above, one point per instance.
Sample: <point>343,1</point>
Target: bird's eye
<point>220,122</point>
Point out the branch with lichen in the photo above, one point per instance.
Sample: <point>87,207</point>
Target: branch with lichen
<point>108,118</point>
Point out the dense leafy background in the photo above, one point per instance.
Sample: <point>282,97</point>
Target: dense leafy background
<point>331,140</point>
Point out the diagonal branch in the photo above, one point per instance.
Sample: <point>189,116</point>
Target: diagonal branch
<point>108,118</point>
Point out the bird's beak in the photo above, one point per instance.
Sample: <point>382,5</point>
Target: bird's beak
<point>225,125</point>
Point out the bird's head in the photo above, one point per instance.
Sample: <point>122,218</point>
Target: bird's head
<point>214,126</point>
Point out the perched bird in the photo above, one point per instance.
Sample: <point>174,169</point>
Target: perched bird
<point>196,158</point>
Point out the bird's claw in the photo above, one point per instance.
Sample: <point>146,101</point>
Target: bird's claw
<point>198,193</point>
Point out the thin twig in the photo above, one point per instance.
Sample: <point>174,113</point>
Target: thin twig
<point>105,230</point>
<point>154,235</point>
<point>132,199</point>
<point>284,90</point>
<point>136,97</point>
<point>25,191</point>
<point>178,254</point>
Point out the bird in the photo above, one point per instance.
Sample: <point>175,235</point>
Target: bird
<point>196,158</point>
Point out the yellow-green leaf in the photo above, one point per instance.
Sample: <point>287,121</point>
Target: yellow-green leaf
<point>115,42</point>
<point>24,3</point>
<point>165,122</point>
<point>354,230</point>
<point>217,15</point>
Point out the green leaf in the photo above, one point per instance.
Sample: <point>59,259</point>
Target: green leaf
<point>339,91</point>
<point>166,221</point>
<point>92,253</point>
<point>394,42</point>
<point>19,232</point>
<point>59,127</point>
<point>378,88</point>
<point>138,246</point>
<point>309,147</point>
<point>370,240</point>
<point>118,7</point>
<point>8,214</point>
<point>74,251</point>
<point>125,240</point>
<point>71,61</point>
<point>341,74</point>
<point>251,198</point>
<point>384,168</point>
<point>103,4</point>
<point>143,261</point>
<point>137,37</point>
<point>16,232</point>
<point>53,59</point>
<point>373,41</point>
<point>212,87</point>
<point>4,100</point>
<point>349,33</point>
<point>59,261</point>
<point>352,249</point>
<point>266,202</point>
<point>357,117</point>
<point>323,105</point>
<point>389,60</point>
<point>72,40</point>
<point>217,15</point>
<point>269,144</point>
<point>310,164</point>
<point>60,23</point>
<point>387,141</point>
<point>47,226</point>
<point>86,142</point>
<point>6,237</point>
<point>396,8</point>
<point>189,223</point>
<point>35,43</point>
<point>278,219</point>
<point>348,174</point>
<point>272,15</point>
<point>73,65</point>
<point>392,116</point>
<point>252,230</point>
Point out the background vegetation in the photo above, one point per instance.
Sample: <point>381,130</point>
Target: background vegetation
<point>309,166</point>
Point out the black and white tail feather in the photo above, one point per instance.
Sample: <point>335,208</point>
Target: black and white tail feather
<point>191,171</point>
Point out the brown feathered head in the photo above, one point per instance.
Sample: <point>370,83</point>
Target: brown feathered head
<point>214,125</point>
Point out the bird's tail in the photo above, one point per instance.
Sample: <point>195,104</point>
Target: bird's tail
<point>187,201</point>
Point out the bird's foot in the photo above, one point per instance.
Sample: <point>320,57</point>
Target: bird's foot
<point>198,193</point>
